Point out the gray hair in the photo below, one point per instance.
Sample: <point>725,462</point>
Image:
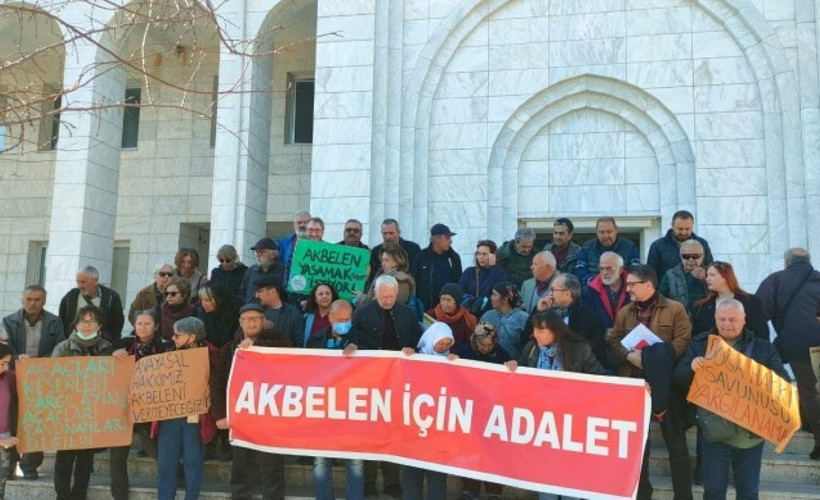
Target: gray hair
<point>524,233</point>
<point>548,256</point>
<point>608,255</point>
<point>383,281</point>
<point>90,271</point>
<point>227,252</point>
<point>190,325</point>
<point>299,214</point>
<point>730,304</point>
<point>158,267</point>
<point>572,283</point>
<point>690,244</point>
<point>795,255</point>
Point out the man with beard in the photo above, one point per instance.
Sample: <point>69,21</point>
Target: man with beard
<point>607,240</point>
<point>606,294</point>
<point>266,265</point>
<point>287,244</point>
<point>664,253</point>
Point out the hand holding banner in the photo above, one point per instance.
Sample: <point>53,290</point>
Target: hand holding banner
<point>747,393</point>
<point>171,385</point>
<point>73,403</point>
<point>467,418</point>
<point>344,267</point>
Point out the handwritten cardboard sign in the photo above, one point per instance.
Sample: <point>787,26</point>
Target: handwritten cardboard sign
<point>170,385</point>
<point>342,266</point>
<point>747,393</point>
<point>73,403</point>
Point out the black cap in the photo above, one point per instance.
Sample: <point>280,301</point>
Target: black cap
<point>441,229</point>
<point>453,290</point>
<point>267,280</point>
<point>253,306</point>
<point>265,244</point>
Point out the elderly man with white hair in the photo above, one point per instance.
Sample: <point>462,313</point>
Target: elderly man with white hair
<point>384,324</point>
<point>606,294</point>
<point>744,449</point>
<point>89,292</point>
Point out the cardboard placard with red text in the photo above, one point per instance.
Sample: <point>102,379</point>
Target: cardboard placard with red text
<point>533,429</point>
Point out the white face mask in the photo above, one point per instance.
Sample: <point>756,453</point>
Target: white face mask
<point>89,336</point>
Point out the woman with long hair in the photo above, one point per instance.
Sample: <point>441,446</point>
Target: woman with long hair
<point>477,281</point>
<point>218,309</point>
<point>722,284</point>
<point>187,261</point>
<point>507,317</point>
<point>176,305</point>
<point>396,264</point>
<point>317,309</point>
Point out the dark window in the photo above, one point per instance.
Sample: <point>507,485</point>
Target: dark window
<point>300,111</point>
<point>131,118</point>
<point>50,121</point>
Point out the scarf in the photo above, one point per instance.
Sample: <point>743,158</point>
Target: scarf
<point>437,331</point>
<point>442,316</point>
<point>548,358</point>
<point>644,310</point>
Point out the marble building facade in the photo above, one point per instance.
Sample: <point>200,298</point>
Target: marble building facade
<point>483,114</point>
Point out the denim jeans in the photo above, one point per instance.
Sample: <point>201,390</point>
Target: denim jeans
<point>78,462</point>
<point>745,464</point>
<point>323,478</point>
<point>252,467</point>
<point>179,439</point>
<point>412,483</point>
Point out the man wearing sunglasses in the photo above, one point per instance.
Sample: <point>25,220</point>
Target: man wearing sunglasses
<point>664,252</point>
<point>686,282</point>
<point>152,295</point>
<point>353,235</point>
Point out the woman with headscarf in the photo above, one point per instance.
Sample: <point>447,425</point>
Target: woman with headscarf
<point>483,346</point>
<point>449,310</point>
<point>435,341</point>
<point>507,317</point>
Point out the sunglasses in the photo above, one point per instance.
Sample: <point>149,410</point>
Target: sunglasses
<point>173,294</point>
<point>691,256</point>
<point>165,274</point>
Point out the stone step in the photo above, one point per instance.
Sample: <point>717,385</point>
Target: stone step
<point>783,468</point>
<point>801,444</point>
<point>768,490</point>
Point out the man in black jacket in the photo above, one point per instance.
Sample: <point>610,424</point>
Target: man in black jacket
<point>90,292</point>
<point>790,299</point>
<point>383,324</point>
<point>391,235</point>
<point>436,265</point>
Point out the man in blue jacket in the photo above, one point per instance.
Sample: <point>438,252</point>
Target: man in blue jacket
<point>607,240</point>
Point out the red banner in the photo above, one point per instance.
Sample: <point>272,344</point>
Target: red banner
<point>562,433</point>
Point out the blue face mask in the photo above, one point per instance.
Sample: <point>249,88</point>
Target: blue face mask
<point>342,328</point>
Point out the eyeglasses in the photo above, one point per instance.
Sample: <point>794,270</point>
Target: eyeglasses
<point>691,256</point>
<point>559,290</point>
<point>173,294</point>
<point>180,334</point>
<point>225,261</point>
<point>88,322</point>
<point>353,230</point>
<point>631,284</point>
<point>166,274</point>
<point>251,319</point>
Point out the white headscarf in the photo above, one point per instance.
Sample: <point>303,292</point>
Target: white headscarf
<point>436,332</point>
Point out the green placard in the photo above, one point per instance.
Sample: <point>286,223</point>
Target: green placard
<point>342,266</point>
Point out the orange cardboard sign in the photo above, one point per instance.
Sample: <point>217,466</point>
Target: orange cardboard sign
<point>73,403</point>
<point>171,385</point>
<point>747,393</point>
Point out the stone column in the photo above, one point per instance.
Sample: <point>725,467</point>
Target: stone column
<point>84,202</point>
<point>343,113</point>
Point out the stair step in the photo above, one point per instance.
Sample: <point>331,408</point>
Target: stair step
<point>801,444</point>
<point>774,468</point>
<point>768,490</point>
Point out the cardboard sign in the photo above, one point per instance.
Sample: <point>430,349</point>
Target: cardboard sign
<point>564,433</point>
<point>171,385</point>
<point>344,267</point>
<point>74,403</point>
<point>747,393</point>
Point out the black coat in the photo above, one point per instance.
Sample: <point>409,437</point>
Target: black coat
<point>111,306</point>
<point>664,253</point>
<point>410,247</point>
<point>586,323</point>
<point>368,326</point>
<point>704,317</point>
<point>424,272</point>
<point>231,280</point>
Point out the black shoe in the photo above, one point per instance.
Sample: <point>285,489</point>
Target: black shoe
<point>31,475</point>
<point>697,476</point>
<point>815,453</point>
